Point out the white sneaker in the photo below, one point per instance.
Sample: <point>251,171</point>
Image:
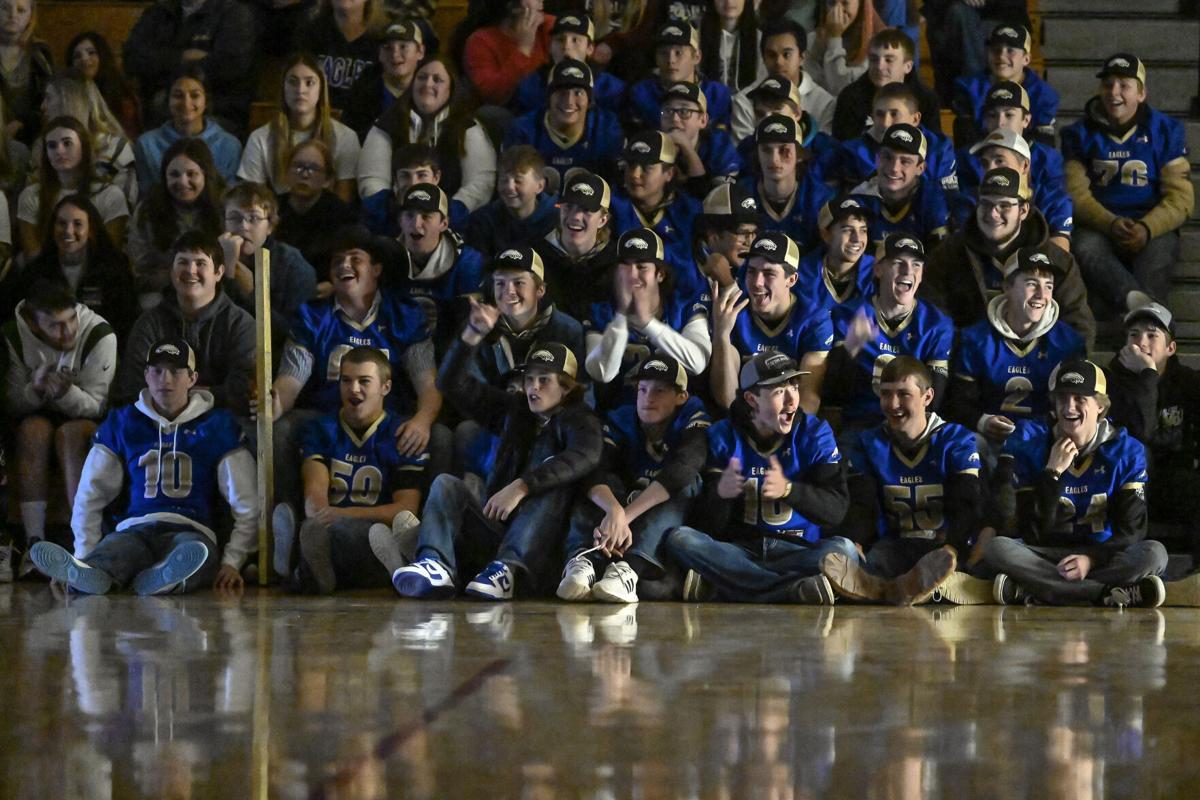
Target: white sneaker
<point>6,563</point>
<point>407,528</point>
<point>619,584</point>
<point>577,580</point>
<point>495,582</point>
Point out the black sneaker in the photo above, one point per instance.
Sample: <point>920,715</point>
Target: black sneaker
<point>696,589</point>
<point>815,591</point>
<point>1007,592</point>
<point>1149,592</point>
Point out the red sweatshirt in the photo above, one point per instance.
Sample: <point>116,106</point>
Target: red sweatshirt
<point>495,65</point>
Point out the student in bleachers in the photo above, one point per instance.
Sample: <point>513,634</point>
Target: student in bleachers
<point>573,36</point>
<point>840,44</point>
<point>221,334</point>
<point>186,197</point>
<point>217,35</point>
<point>343,38</point>
<point>890,60</point>
<point>726,229</point>
<point>90,55</point>
<point>61,356</point>
<point>188,104</point>
<point>776,94</point>
<point>581,251</point>
<point>67,167</point>
<point>964,272</point>
<point>1009,51</point>
<point>497,57</point>
<point>643,313</point>
<point>437,112</point>
<point>782,48</point>
<point>705,156</point>
<point>24,85</point>
<point>1128,175</point>
<point>957,31</point>
<point>729,40</point>
<point>902,195</point>
<point>677,55</point>
<point>112,154</point>
<point>773,318</point>
<point>523,211</point>
<point>841,273</point>
<point>381,84</point>
<point>1003,148</point>
<point>304,113</point>
<point>308,210</point>
<point>570,130</point>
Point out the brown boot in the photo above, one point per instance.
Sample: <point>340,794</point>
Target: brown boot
<point>918,584</point>
<point>851,580</point>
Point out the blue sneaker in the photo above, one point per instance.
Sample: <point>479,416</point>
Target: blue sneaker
<point>171,574</point>
<point>494,583</point>
<point>426,578</point>
<point>59,565</point>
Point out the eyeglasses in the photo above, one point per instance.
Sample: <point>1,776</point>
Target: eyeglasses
<point>1005,207</point>
<point>252,219</point>
<point>304,169</point>
<point>682,113</point>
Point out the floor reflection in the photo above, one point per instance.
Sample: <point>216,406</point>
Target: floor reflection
<point>363,697</point>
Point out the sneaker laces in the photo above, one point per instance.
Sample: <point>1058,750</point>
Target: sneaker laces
<point>1125,596</point>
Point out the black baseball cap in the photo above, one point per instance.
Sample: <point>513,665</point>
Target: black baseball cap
<point>640,244</point>
<point>690,92</point>
<point>1078,377</point>
<point>403,32</point>
<point>899,244</point>
<point>661,367</point>
<point>1123,65</point>
<point>1010,36</point>
<point>1001,182</point>
<point>767,369</point>
<point>776,248</point>
<point>519,258</point>
<point>678,32</point>
<point>843,208</point>
<point>904,138</point>
<point>570,73</point>
<point>589,192</point>
<point>552,357</point>
<point>174,353</point>
<point>650,147</point>
<point>778,129</point>
<point>1030,259</point>
<point>729,202</point>
<point>1006,94</point>
<point>574,23</point>
<point>776,87</point>
<point>426,197</point>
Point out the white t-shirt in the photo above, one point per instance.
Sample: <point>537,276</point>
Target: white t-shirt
<point>257,161</point>
<point>108,200</point>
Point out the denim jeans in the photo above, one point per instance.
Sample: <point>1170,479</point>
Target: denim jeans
<point>649,530</point>
<point>355,565</point>
<point>765,570</point>
<point>125,553</point>
<point>1035,568</point>
<point>455,531</point>
<point>1113,274</point>
<point>286,435</point>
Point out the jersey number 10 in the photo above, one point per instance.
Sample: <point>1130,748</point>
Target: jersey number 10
<point>171,472</point>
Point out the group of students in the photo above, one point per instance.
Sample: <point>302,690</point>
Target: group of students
<point>696,341</point>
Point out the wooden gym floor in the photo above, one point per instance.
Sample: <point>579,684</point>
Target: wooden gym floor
<point>363,696</point>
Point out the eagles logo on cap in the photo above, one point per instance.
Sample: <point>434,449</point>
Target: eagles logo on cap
<point>671,30</point>
<point>573,72</point>
<point>1071,377</point>
<point>589,192</point>
<point>420,195</point>
<point>775,127</point>
<point>908,243</point>
<point>1078,377</point>
<point>678,88</point>
<point>1040,258</point>
<point>1003,94</point>
<point>766,244</point>
<point>998,180</point>
<point>1123,65</point>
<point>771,83</point>
<point>655,365</point>
<point>1007,32</point>
<point>749,204</point>
<point>640,147</point>
<point>542,355</point>
<point>1118,62</point>
<point>583,189</point>
<point>510,255</point>
<point>903,136</point>
<point>639,244</point>
<point>660,367</point>
<point>775,248</point>
<point>849,202</point>
<point>173,353</point>
<point>897,245</point>
<point>170,349</point>
<point>571,21</point>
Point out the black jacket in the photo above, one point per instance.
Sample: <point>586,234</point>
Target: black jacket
<point>575,283</point>
<point>852,114</point>
<point>1163,412</point>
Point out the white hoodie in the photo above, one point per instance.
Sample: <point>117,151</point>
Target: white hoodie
<point>104,474</point>
<point>89,364</point>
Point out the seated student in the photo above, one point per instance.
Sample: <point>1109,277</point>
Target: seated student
<point>915,479</point>
<point>251,213</point>
<point>839,44</point>
<point>360,493</point>
<point>572,37</point>
<point>1127,172</point>
<point>70,95</point>
<point>894,103</point>
<point>221,334</point>
<point>776,94</point>
<point>773,318</point>
<point>890,60</point>
<point>438,269</point>
<point>652,199</point>
<point>677,56</point>
<point>60,358</point>
<point>496,57</point>
<point>1009,51</point>
<point>773,481</point>
<point>727,227</point>
<point>787,192</point>
<point>413,164</point>
<point>308,210</point>
<point>706,156</point>
<point>180,455</point>
<point>568,131</point>
<point>782,48</point>
<point>901,195</point>
<point>1004,148</point>
<point>523,212</point>
<point>1156,397</point>
<point>891,322</point>
<point>644,314</point>
<point>840,273</point>
<point>580,252</point>
<point>964,273</point>
<point>1002,363</point>
<point>647,478</point>
<point>1081,507</point>
<point>359,313</point>
<point>383,82</point>
<point>550,441</point>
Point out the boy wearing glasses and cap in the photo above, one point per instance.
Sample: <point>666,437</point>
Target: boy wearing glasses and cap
<point>1127,171</point>
<point>572,37</point>
<point>773,482</point>
<point>677,56</point>
<point>1080,535</point>
<point>901,196</point>
<point>1010,48</point>
<point>840,273</point>
<point>178,456</point>
<point>706,156</point>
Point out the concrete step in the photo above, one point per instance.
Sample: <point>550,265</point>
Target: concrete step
<point>1189,244</point>
<point>1151,39</point>
<point>1185,304</point>
<point>1171,88</point>
<point>1049,8</point>
<point>1187,270</point>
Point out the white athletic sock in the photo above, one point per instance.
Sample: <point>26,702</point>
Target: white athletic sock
<point>33,517</point>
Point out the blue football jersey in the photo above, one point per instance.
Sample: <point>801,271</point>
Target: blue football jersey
<point>435,295</point>
<point>810,443</point>
<point>364,470</point>
<point>799,217</point>
<point>1119,463</point>
<point>926,215</point>
<point>1125,172</point>
<point>1013,379</point>
<point>171,473</point>
<point>855,160</point>
<point>720,157</point>
<point>911,489</point>
<point>972,92</point>
<point>645,103</point>
<point>597,149</point>
<point>815,288</point>
<point>926,334</point>
<point>675,225</point>
<point>393,324</point>
<point>802,330</point>
<point>641,461</point>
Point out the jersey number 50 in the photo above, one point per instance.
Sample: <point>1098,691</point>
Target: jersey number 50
<point>362,484</point>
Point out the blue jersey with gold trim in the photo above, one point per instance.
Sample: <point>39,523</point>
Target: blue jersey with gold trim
<point>1085,489</point>
<point>926,215</point>
<point>855,161</point>
<point>810,443</point>
<point>971,91</point>
<point>816,290</point>
<point>363,470</point>
<point>912,489</point>
<point>802,330</point>
<point>640,463</point>
<point>799,217</point>
<point>598,147</point>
